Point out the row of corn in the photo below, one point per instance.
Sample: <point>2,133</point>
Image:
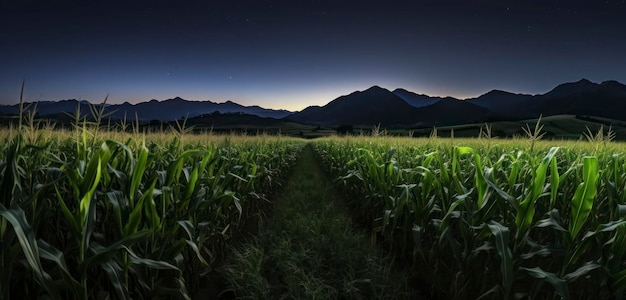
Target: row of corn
<point>87,218</point>
<point>481,220</point>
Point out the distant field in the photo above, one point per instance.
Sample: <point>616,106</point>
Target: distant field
<point>555,127</point>
<point>558,127</point>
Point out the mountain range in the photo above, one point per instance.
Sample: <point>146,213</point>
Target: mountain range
<point>398,108</point>
<point>166,110</point>
<point>404,109</point>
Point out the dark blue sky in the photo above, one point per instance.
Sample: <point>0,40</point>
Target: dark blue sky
<point>291,54</point>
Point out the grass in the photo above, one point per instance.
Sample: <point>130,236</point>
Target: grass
<point>311,250</point>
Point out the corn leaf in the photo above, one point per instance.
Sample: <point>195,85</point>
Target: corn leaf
<point>138,170</point>
<point>26,238</point>
<point>584,196</point>
<point>618,284</point>
<point>117,279</point>
<point>559,284</point>
<point>582,271</point>
<point>501,235</point>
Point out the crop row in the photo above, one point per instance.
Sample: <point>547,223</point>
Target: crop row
<point>83,218</point>
<point>493,221</point>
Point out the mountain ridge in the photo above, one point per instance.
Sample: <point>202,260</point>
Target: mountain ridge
<point>572,98</point>
<point>380,106</point>
<point>375,105</point>
<point>164,110</point>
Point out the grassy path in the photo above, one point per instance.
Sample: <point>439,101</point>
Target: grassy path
<point>309,248</point>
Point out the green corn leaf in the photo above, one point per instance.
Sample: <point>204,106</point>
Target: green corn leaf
<point>526,209</point>
<point>552,222</point>
<point>101,254</point>
<point>134,220</point>
<point>459,200</point>
<point>618,284</point>
<point>618,249</point>
<point>490,294</point>
<point>116,198</point>
<point>606,227</point>
<point>49,252</point>
<point>584,196</point>
<point>559,284</point>
<point>237,204</point>
<point>93,173</point>
<point>501,235</point>
<point>539,177</point>
<point>554,250</point>
<point>190,230</point>
<point>150,263</point>
<point>26,238</point>
<point>457,180</point>
<point>70,219</point>
<point>238,177</point>
<point>11,175</point>
<point>117,279</point>
<point>514,169</point>
<point>87,206</point>
<point>138,170</point>
<point>74,178</point>
<point>150,209</point>
<point>479,181</point>
<point>554,182</point>
<point>464,150</point>
<point>173,171</point>
<point>582,271</point>
<point>192,183</point>
<point>508,198</point>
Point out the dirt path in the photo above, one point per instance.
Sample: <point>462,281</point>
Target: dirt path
<point>309,248</point>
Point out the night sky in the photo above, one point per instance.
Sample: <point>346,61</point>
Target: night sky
<point>292,54</point>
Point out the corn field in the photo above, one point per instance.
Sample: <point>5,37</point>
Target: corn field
<point>99,214</point>
<point>91,214</point>
<point>491,219</point>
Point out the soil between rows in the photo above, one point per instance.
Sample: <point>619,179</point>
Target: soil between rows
<point>309,248</point>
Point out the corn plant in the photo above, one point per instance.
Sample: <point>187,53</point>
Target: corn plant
<point>493,221</point>
<point>85,217</point>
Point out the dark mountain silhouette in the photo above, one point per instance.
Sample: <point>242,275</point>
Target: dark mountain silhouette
<point>501,102</point>
<point>582,98</point>
<point>166,110</point>
<point>607,99</point>
<point>380,106</point>
<point>370,107</point>
<point>451,111</point>
<point>614,87</point>
<point>47,107</point>
<point>414,99</point>
<point>307,115</point>
<point>376,105</point>
<point>218,120</point>
<point>571,88</point>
